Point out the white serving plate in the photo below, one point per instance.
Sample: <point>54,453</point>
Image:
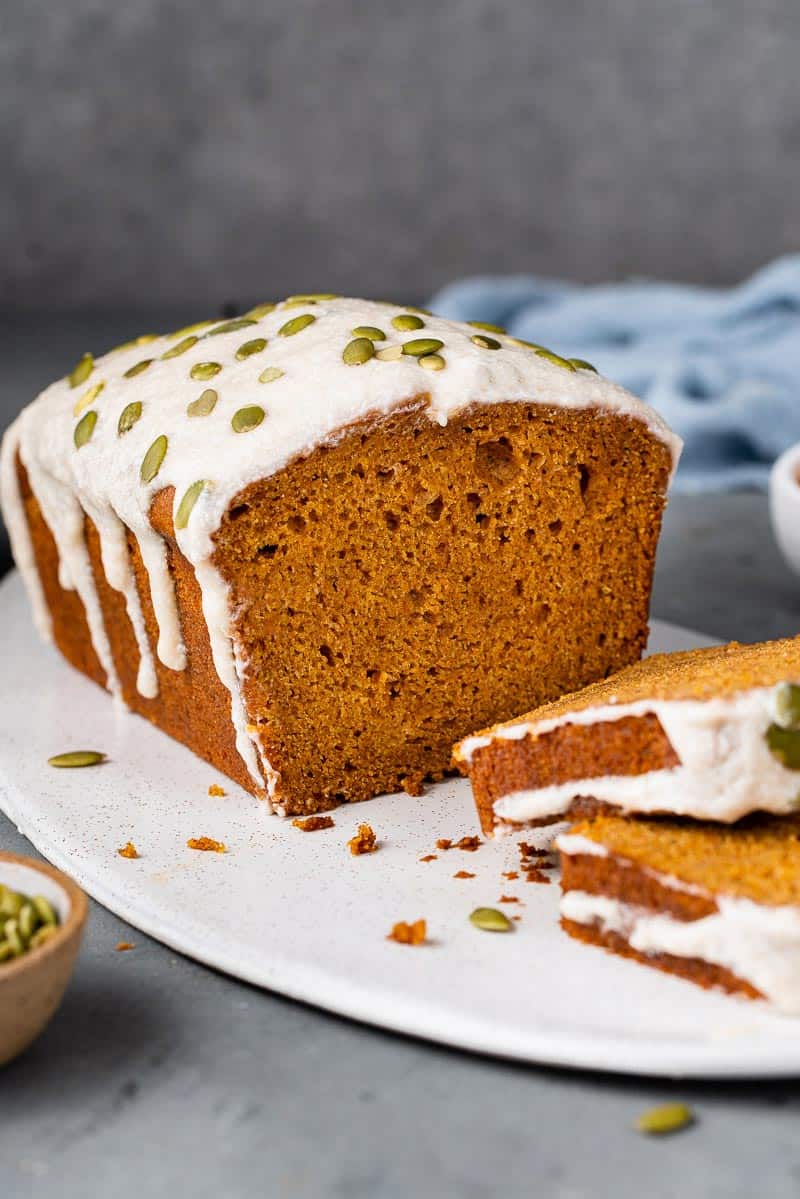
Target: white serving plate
<point>297,913</point>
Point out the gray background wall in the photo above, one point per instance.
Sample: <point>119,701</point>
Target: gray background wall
<point>193,152</point>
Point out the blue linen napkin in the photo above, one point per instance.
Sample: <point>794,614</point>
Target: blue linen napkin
<point>720,365</point>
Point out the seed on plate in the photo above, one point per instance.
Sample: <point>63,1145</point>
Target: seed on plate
<point>181,347</point>
<point>296,324</point>
<point>128,417</point>
<point>270,374</point>
<point>358,351</point>
<point>88,397</point>
<point>489,920</point>
<point>85,428</point>
<point>241,322</point>
<point>204,404</point>
<point>432,362</point>
<point>406,321</point>
<point>582,365</point>
<point>390,354</point>
<point>369,331</point>
<point>77,757</point>
<point>137,368</point>
<point>421,346</point>
<point>248,348</point>
<point>247,418</point>
<point>190,498</point>
<point>81,371</point>
<point>486,326</point>
<point>151,463</point>
<point>205,370</point>
<point>486,343</point>
<point>670,1117</point>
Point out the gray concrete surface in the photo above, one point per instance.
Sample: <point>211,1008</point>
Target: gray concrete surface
<point>181,150</point>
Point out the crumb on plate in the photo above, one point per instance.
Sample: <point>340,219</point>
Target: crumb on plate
<point>206,844</point>
<point>463,874</point>
<point>128,850</point>
<point>124,946</point>
<point>364,841</point>
<point>216,791</point>
<point>409,934</point>
<point>310,824</point>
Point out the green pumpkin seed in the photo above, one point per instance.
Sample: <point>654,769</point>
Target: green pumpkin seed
<point>247,418</point>
<point>5,951</point>
<point>786,697</point>
<point>357,352</point>
<point>785,745</point>
<point>144,339</point>
<point>137,369</point>
<point>390,354</point>
<point>260,310</point>
<point>582,365</point>
<point>42,936</point>
<point>187,329</point>
<point>44,910</point>
<point>421,346</point>
<point>296,325</point>
<point>28,921</point>
<point>151,463</point>
<point>270,374</point>
<point>77,757</point>
<point>128,417</point>
<point>527,345</point>
<point>312,298</point>
<point>406,321</point>
<point>369,331</point>
<point>12,935</point>
<point>432,362</point>
<point>84,428</point>
<point>486,327</point>
<point>11,903</point>
<point>486,343</point>
<point>670,1117</point>
<point>204,404</point>
<point>81,371</point>
<point>556,359</point>
<point>181,347</point>
<point>489,920</point>
<point>205,370</point>
<point>241,322</point>
<point>413,308</point>
<point>190,498</point>
<point>88,397</point>
<point>248,348</point>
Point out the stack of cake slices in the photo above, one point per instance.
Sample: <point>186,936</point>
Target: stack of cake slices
<point>680,780</point>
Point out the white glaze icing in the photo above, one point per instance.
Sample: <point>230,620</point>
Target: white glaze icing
<point>758,943</point>
<point>726,768</point>
<point>314,401</point>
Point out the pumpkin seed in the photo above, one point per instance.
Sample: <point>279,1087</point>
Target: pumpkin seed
<point>785,745</point>
<point>432,362</point>
<point>247,418</point>
<point>582,365</point>
<point>145,338</point>
<point>270,374</point>
<point>205,370</point>
<point>137,368</point>
<point>297,324</point>
<point>187,329</point>
<point>44,910</point>
<point>357,352</point>
<point>241,322</point>
<point>312,298</point>
<point>88,397</point>
<point>42,936</point>
<point>181,347</point>
<point>5,951</point>
<point>406,321</point>
<point>11,902</point>
<point>128,417</point>
<point>28,921</point>
<point>670,1117</point>
<point>249,348</point>
<point>151,463</point>
<point>527,345</point>
<point>190,498</point>
<point>81,371</point>
<point>390,354</point>
<point>78,757</point>
<point>369,331</point>
<point>204,404</point>
<point>556,359</point>
<point>489,920</point>
<point>84,428</point>
<point>486,326</point>
<point>260,310</point>
<point>413,308</point>
<point>12,935</point>
<point>486,343</point>
<point>787,705</point>
<point>422,346</point>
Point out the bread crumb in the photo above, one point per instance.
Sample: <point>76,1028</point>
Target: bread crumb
<point>412,784</point>
<point>310,824</point>
<point>463,874</point>
<point>508,899</point>
<point>364,841</point>
<point>409,934</point>
<point>535,875</point>
<point>128,850</point>
<point>511,874</point>
<point>124,946</point>
<point>207,844</point>
<point>468,844</point>
<point>216,791</point>
<point>430,857</point>
<point>530,851</point>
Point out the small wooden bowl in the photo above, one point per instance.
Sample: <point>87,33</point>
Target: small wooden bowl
<point>31,987</point>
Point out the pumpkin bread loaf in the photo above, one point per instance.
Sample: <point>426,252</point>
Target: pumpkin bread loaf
<point>320,542</point>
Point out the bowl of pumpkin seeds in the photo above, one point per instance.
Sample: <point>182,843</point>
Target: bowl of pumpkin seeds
<point>42,917</point>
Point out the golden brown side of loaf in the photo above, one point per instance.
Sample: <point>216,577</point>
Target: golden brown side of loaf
<point>397,589</point>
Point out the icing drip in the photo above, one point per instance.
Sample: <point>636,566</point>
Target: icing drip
<point>308,396</point>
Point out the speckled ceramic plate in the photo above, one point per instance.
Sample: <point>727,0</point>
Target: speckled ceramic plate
<point>296,913</point>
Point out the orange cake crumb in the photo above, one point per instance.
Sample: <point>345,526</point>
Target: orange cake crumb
<point>530,851</point>
<point>310,824</point>
<point>508,899</point>
<point>511,874</point>
<point>412,784</point>
<point>463,874</point>
<point>429,857</point>
<point>124,946</point>
<point>409,934</point>
<point>444,843</point>
<point>128,850</point>
<point>534,874</point>
<point>207,844</point>
<point>468,844</point>
<point>216,791</point>
<point>364,841</point>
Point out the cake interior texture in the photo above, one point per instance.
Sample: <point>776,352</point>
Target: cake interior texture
<point>395,589</point>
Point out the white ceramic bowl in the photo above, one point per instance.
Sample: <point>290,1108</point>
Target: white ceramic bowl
<point>784,505</point>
